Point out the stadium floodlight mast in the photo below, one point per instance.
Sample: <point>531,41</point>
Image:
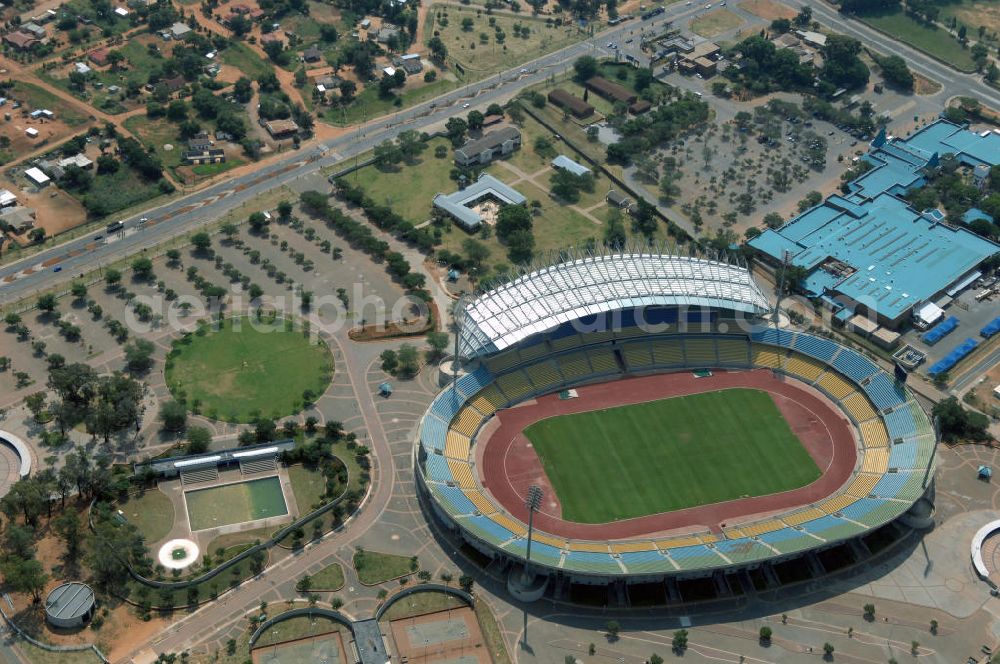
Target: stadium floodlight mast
<point>533,502</point>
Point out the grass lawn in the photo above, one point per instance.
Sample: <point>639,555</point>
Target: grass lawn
<point>308,485</point>
<point>36,655</point>
<point>418,604</point>
<point>715,23</point>
<point>155,133</point>
<point>369,104</point>
<point>410,189</point>
<point>975,13</point>
<point>480,59</point>
<point>330,577</point>
<point>236,373</point>
<point>670,454</point>
<point>931,40</point>
<point>239,55</point>
<point>32,96</point>
<point>152,513</point>
<point>375,568</point>
<point>296,628</point>
<point>235,503</point>
<point>207,170</point>
<point>117,191</point>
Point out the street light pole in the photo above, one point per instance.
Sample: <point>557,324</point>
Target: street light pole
<point>533,501</point>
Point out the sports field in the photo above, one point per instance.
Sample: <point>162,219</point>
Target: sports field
<point>660,456</point>
<point>235,503</point>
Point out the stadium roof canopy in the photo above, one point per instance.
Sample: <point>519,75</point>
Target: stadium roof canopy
<point>593,285</point>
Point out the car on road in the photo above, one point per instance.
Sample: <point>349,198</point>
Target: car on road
<point>465,105</point>
<point>57,268</point>
<point>524,71</point>
<point>708,6</point>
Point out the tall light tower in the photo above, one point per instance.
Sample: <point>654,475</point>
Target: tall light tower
<point>533,501</point>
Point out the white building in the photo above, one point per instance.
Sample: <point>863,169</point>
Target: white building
<point>7,198</point>
<point>36,177</point>
<point>31,132</point>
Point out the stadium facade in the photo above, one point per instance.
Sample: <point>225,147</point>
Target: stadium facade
<point>867,252</point>
<point>599,319</point>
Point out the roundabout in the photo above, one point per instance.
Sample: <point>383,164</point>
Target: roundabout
<point>247,368</point>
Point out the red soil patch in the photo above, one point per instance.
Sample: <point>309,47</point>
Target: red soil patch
<point>509,465</point>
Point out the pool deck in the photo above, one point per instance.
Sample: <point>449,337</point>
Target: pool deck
<point>174,490</point>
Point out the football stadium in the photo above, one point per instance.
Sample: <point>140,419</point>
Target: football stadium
<point>674,431</point>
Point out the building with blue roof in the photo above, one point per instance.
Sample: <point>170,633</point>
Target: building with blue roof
<point>868,250</point>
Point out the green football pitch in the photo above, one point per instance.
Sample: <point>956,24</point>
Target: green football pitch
<point>666,455</point>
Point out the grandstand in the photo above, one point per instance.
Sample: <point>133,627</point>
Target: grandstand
<point>517,351</point>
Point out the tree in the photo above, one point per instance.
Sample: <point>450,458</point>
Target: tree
<point>78,290</point>
<point>438,342</point>
<point>612,628</point>
<point>465,582</point>
<point>869,611</point>
<point>142,268</point>
<point>841,65</point>
<point>258,223</point>
<point>475,120</point>
<point>107,164</point>
<point>614,232</point>
<point>243,90</point>
<point>956,423</point>
<point>199,439</point>
<point>512,218</point>
<point>67,526</point>
<point>35,403</point>
<point>765,634</point>
<point>828,650</point>
<point>173,415</point>
<point>456,128</point>
<point>680,641</point>
<point>389,361</point>
<point>773,220</point>
<point>781,25</point>
<point>896,73</point>
<point>655,659</point>
<point>584,68</point>
<point>438,49</point>
<point>47,302</point>
<point>112,277</point>
<point>284,211</point>
<point>25,576</point>
<point>202,241</point>
<point>409,361</point>
<point>387,154</point>
<point>139,355</point>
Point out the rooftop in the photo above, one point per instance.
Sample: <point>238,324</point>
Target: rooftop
<point>890,257</point>
<point>456,204</point>
<point>591,285</point>
<point>70,600</point>
<point>567,164</point>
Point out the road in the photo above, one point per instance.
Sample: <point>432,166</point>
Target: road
<point>39,272</point>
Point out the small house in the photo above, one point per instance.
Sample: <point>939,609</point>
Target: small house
<point>37,177</point>
<point>207,156</point>
<point>281,128</point>
<point>312,54</point>
<point>18,220</point>
<point>81,68</point>
<point>31,132</point>
<point>99,56</point>
<point>121,12</point>
<point>33,29</point>
<point>7,198</point>
<point>179,30</point>
<point>618,200</point>
<point>79,160</point>
<point>563,162</point>
<point>21,40</point>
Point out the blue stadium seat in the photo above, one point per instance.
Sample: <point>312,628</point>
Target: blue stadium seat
<point>861,508</point>
<point>742,550</point>
<point>447,404</point>
<point>454,498</point>
<point>487,529</point>
<point>856,367</point>
<point>588,561</point>
<point>437,468</point>
<point>788,540</point>
<point>641,561</point>
<point>772,336</point>
<point>900,423</point>
<point>433,434</point>
<point>539,551</point>
<point>470,384</point>
<point>890,485</point>
<point>692,557</point>
<point>818,347</point>
<point>884,392</point>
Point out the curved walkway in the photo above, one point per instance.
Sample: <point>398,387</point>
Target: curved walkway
<point>509,466</point>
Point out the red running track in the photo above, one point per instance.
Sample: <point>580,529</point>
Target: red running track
<point>509,465</point>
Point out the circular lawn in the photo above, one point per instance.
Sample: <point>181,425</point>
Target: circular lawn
<point>243,370</point>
